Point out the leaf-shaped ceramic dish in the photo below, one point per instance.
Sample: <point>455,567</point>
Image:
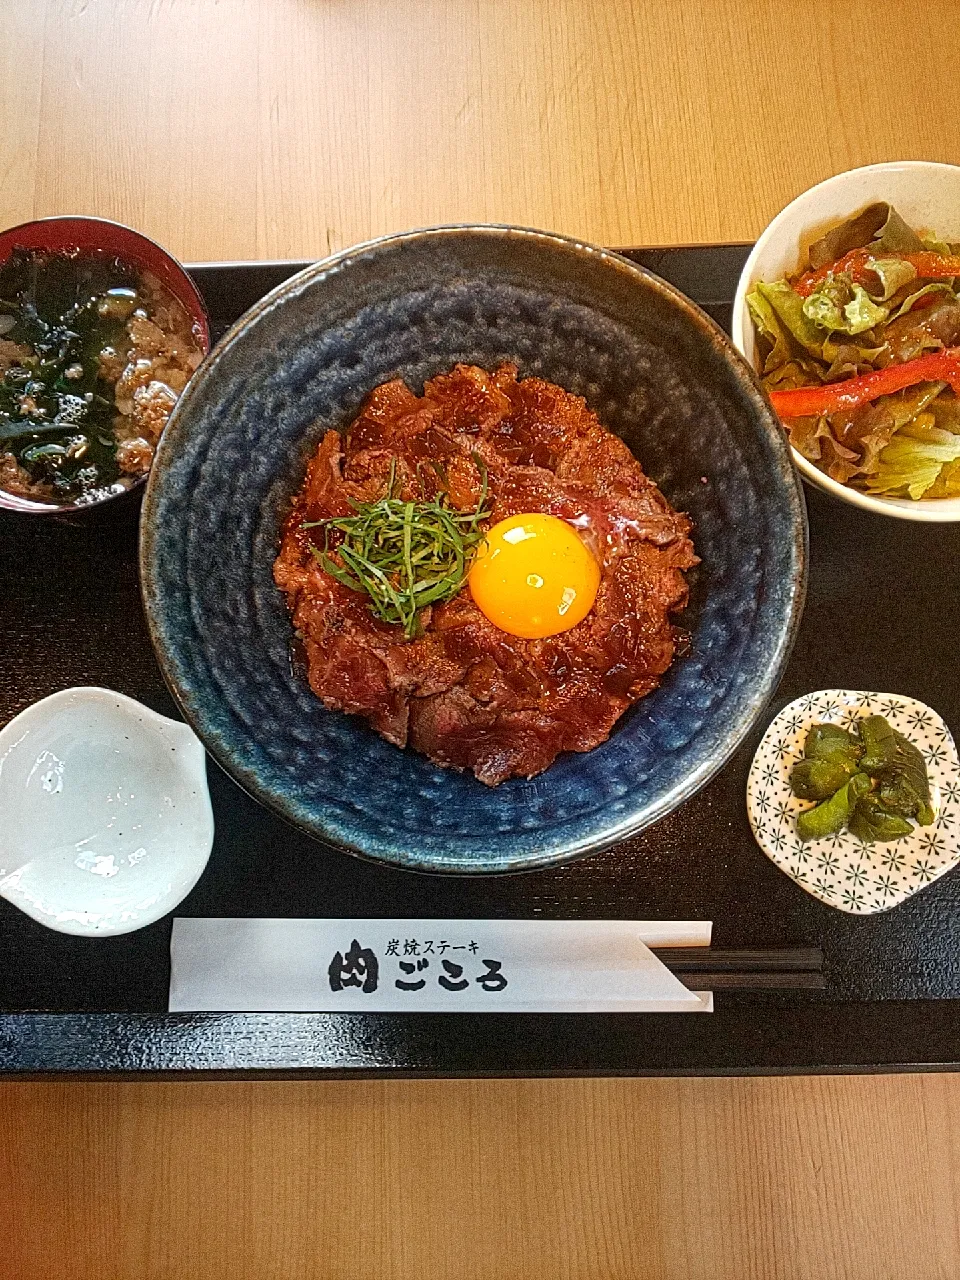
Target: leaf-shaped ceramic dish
<point>107,823</point>
<point>841,870</point>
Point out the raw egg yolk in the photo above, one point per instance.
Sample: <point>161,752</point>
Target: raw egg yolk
<point>534,577</point>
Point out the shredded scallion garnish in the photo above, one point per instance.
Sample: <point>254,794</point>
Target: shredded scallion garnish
<point>404,555</point>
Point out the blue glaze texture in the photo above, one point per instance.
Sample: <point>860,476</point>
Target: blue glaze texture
<point>656,370</point>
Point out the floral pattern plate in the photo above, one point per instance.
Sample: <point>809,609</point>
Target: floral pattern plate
<point>841,870</point>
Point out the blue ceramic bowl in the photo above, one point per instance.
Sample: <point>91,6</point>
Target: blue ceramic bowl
<point>657,371</point>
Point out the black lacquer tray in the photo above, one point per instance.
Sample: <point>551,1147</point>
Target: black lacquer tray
<point>882,614</point>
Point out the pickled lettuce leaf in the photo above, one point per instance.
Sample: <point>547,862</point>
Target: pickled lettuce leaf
<point>878,739</point>
<point>807,434</point>
<point>947,483</point>
<point>787,306</point>
<point>769,327</point>
<point>878,227</point>
<point>899,767</point>
<point>911,466</point>
<point>911,301</point>
<point>946,411</point>
<point>785,364</point>
<point>855,233</point>
<point>904,406</point>
<point>893,274</point>
<point>817,779</point>
<point>861,313</point>
<point>839,306</point>
<point>933,245</point>
<point>895,236</point>
<point>848,358</point>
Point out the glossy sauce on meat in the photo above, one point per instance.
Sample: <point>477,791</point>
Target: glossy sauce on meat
<point>467,694</point>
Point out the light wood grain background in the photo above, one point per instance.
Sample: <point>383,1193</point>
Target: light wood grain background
<point>256,128</point>
<point>287,128</point>
<point>558,1180</point>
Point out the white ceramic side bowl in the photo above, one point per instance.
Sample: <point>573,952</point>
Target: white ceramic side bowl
<point>107,823</point>
<point>927,195</point>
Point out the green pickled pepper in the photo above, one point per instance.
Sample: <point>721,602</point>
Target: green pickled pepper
<point>879,744</point>
<point>830,742</point>
<point>900,770</point>
<point>819,779</point>
<point>872,780</point>
<point>832,815</point>
<point>871,821</point>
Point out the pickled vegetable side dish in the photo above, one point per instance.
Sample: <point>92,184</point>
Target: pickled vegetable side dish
<point>871,780</point>
<point>860,354</point>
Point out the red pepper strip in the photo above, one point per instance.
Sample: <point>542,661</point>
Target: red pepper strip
<point>933,266</point>
<point>856,264</point>
<point>851,264</point>
<point>809,402</point>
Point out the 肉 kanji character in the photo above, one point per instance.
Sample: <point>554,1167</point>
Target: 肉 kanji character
<point>358,968</point>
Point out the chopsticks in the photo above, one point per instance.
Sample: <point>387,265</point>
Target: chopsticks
<point>714,969</point>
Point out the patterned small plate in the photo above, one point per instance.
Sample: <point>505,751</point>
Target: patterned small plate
<point>841,870</point>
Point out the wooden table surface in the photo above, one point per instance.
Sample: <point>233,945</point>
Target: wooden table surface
<point>287,128</point>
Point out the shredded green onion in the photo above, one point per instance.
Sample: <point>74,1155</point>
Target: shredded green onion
<point>404,555</point>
